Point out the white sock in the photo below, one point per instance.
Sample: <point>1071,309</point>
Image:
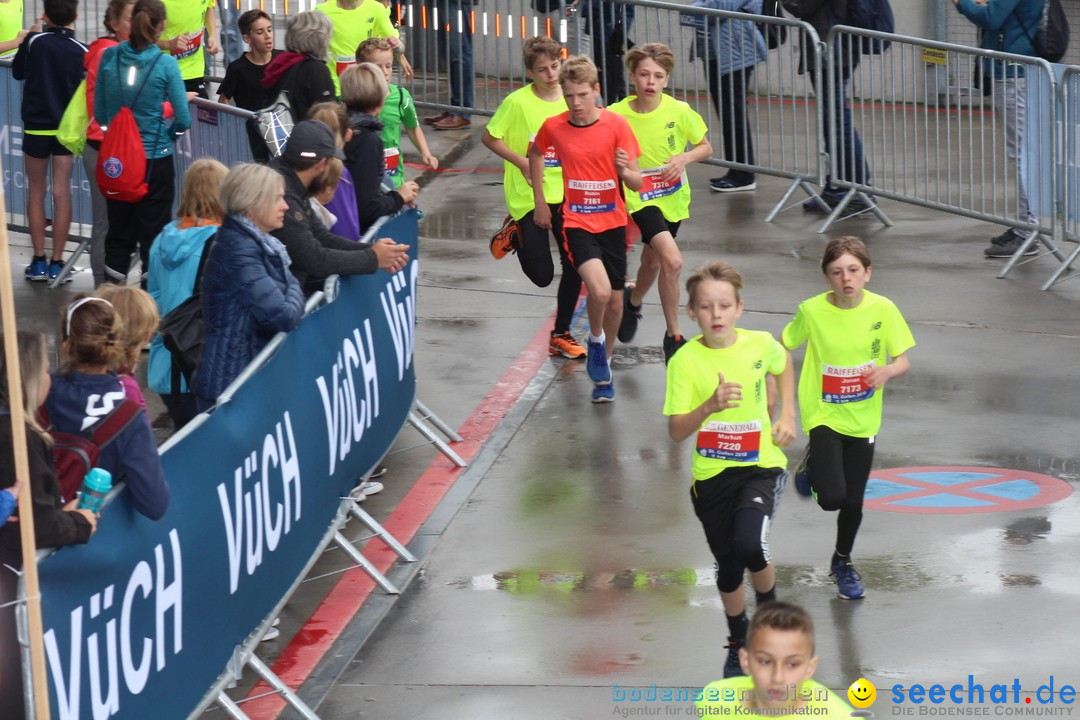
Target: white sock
<point>601,339</point>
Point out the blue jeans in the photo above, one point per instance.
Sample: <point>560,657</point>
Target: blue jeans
<point>232,44</point>
<point>850,162</point>
<point>455,46</point>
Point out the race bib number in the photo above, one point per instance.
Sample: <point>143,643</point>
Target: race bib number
<point>343,62</point>
<point>392,160</point>
<point>550,158</point>
<point>738,442</point>
<point>845,384</point>
<point>653,186</point>
<point>586,197</point>
<point>190,46</point>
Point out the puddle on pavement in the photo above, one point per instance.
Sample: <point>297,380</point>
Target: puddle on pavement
<point>463,219</point>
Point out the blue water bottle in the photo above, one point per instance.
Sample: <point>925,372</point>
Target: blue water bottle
<point>95,486</point>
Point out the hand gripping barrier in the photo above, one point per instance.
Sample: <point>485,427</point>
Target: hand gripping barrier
<point>148,614</point>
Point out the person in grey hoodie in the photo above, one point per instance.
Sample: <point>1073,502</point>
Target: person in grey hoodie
<point>137,74</point>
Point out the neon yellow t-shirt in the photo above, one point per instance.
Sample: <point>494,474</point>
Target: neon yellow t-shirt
<point>739,436</point>
<point>726,698</point>
<point>188,17</point>
<point>11,22</point>
<point>516,122</point>
<point>351,27</point>
<point>662,133</point>
<point>840,346</point>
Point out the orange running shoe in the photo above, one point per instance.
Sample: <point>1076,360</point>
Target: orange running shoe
<point>506,240</point>
<point>564,344</point>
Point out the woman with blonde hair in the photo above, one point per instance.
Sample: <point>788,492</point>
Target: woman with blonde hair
<point>174,263</point>
<point>140,317</point>
<point>248,292</point>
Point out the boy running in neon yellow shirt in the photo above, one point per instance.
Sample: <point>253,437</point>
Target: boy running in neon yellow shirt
<point>779,662</point>
<point>850,334</point>
<point>398,111</point>
<point>354,22</point>
<point>190,30</point>
<point>508,135</point>
<point>716,392</point>
<point>664,127</point>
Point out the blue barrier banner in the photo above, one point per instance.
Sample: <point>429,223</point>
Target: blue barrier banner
<point>147,614</point>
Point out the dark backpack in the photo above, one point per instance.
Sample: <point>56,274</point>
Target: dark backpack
<point>872,15</point>
<point>74,454</point>
<point>122,169</point>
<point>1051,39</point>
<point>183,330</point>
<point>775,35</point>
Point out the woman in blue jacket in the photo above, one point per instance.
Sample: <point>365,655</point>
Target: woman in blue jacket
<point>248,293</point>
<point>731,49</point>
<point>137,74</point>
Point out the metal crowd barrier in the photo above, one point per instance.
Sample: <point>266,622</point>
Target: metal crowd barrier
<point>1069,170</point>
<point>911,138</point>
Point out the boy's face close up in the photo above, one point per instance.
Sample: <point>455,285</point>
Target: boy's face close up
<point>716,307</point>
<point>545,72</point>
<point>384,59</point>
<point>649,79</point>
<point>580,101</point>
<point>778,661</point>
<point>261,36</point>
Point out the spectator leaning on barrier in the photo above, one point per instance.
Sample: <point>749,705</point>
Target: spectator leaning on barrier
<point>117,30</point>
<point>84,389</point>
<point>122,71</point>
<point>242,84</point>
<point>55,524</point>
<point>190,32</point>
<point>364,91</point>
<point>301,69</point>
<point>1008,26</point>
<point>248,293</point>
<point>316,252</point>
<point>174,263</point>
<point>822,15</point>
<point>731,49</point>
<point>343,203</point>
<point>51,65</point>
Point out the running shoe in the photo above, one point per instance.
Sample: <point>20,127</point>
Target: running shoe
<point>55,268</point>
<point>1006,245</point>
<point>597,363</point>
<point>630,317</point>
<point>732,666</point>
<point>802,475</point>
<point>565,345</point>
<point>506,240</point>
<point>848,583</point>
<point>727,185</point>
<point>603,392</point>
<point>672,345</point>
<point>37,270</point>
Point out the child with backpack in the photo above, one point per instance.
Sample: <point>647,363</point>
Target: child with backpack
<point>55,524</point>
<point>139,316</point>
<point>51,64</point>
<point>137,75</point>
<point>86,392</point>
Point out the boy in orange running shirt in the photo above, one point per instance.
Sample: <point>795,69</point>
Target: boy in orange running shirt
<point>597,150</point>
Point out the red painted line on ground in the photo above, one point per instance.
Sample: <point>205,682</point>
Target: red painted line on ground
<point>328,621</point>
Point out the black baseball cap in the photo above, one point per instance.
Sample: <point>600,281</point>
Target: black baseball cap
<point>312,140</point>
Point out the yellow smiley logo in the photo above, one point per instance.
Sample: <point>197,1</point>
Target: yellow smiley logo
<point>862,693</point>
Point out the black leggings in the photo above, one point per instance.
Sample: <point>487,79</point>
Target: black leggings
<point>134,225</point>
<point>839,469</point>
<point>536,263</point>
<point>749,549</point>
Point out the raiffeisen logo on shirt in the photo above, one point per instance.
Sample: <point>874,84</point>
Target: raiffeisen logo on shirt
<point>1014,698</point>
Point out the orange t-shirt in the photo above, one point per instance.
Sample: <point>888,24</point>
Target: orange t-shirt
<point>593,199</point>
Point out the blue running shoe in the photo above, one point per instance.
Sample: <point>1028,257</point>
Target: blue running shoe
<point>38,270</point>
<point>55,267</point>
<point>802,476</point>
<point>732,666</point>
<point>603,392</point>
<point>597,363</point>
<point>848,583</point>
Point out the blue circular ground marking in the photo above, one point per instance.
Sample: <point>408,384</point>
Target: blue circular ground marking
<point>945,489</point>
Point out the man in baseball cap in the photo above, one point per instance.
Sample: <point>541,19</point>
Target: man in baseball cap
<point>317,253</point>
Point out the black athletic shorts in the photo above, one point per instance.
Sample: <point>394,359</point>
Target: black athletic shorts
<point>651,221</point>
<point>42,146</point>
<point>717,499</point>
<point>609,247</point>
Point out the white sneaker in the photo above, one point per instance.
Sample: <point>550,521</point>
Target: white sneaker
<point>371,487</point>
<point>270,634</point>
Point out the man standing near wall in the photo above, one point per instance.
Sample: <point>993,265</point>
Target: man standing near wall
<point>1008,26</point>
